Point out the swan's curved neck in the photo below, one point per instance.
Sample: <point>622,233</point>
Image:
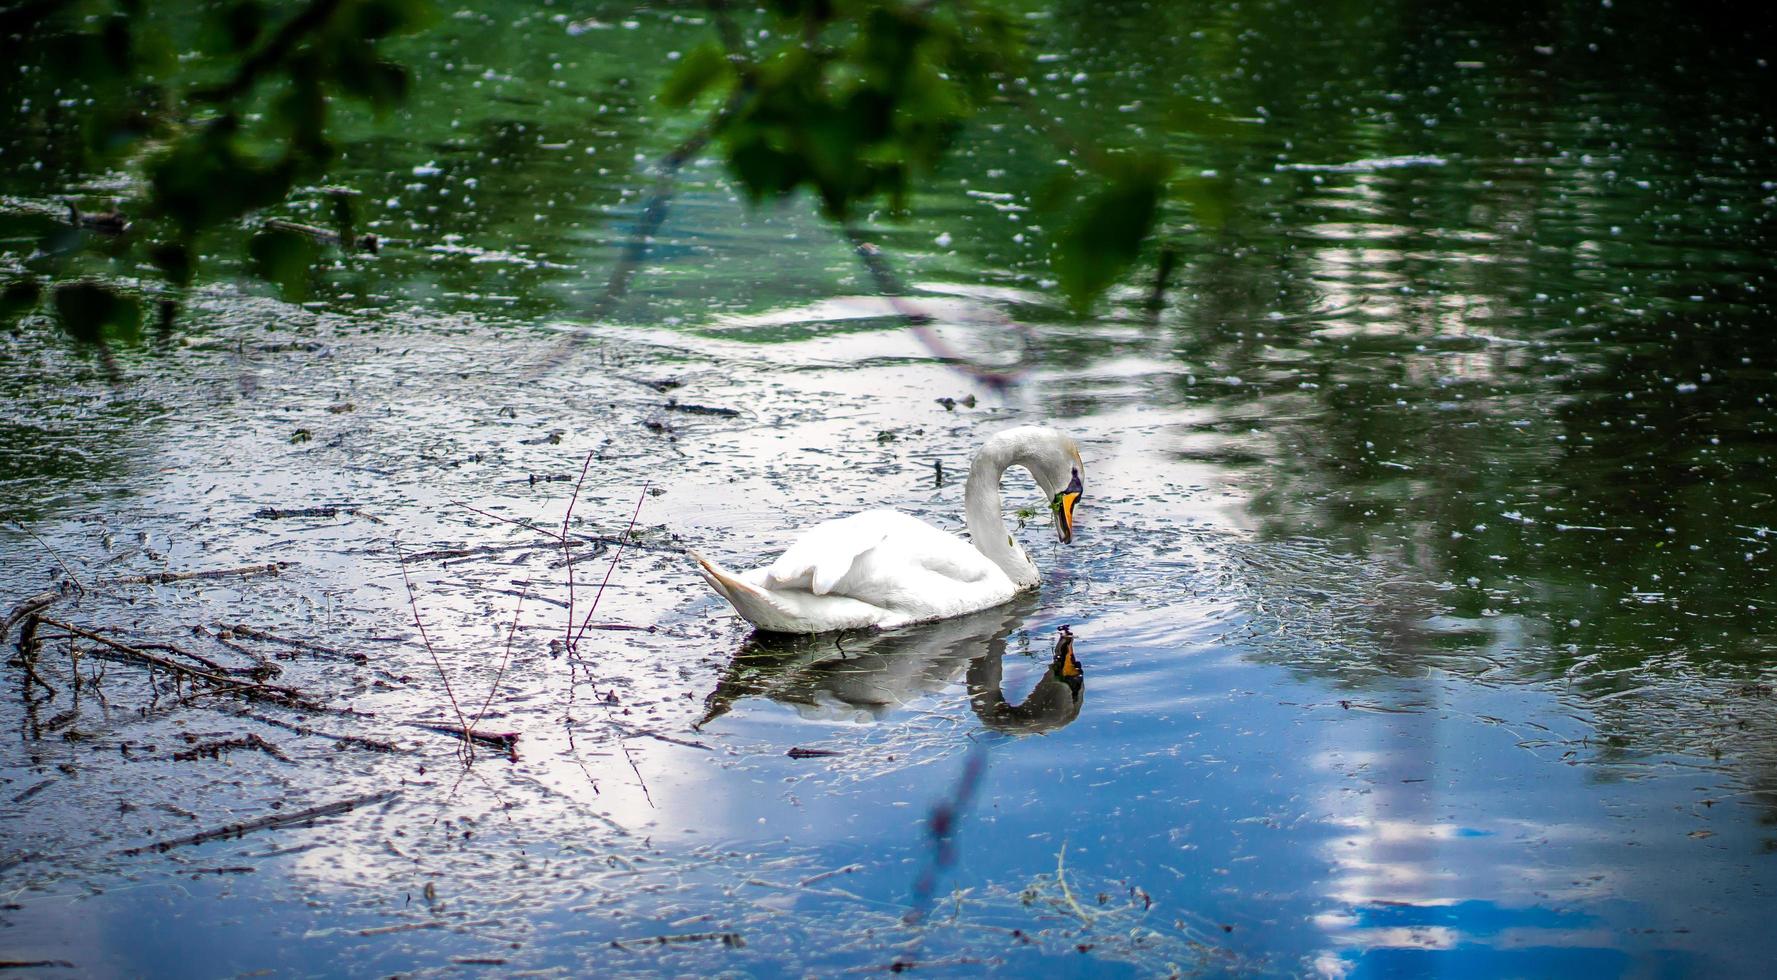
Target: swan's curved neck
<point>987,526</point>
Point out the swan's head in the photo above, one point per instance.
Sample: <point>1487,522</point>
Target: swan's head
<point>1054,460</point>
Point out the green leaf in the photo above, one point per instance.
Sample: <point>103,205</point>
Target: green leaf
<point>284,257</point>
<point>1105,231</point>
<point>94,312</point>
<point>697,71</point>
<point>1210,199</point>
<point>243,23</point>
<point>18,298</point>
<point>174,260</point>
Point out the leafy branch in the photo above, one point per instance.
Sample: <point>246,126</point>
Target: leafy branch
<point>212,150</point>
<point>858,98</point>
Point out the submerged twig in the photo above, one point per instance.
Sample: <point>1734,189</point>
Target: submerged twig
<point>1067,893</point>
<point>266,823</point>
<point>253,633</point>
<point>162,578</point>
<point>258,690</point>
<point>504,741</point>
<point>26,608</point>
<point>372,744</point>
<point>730,939</point>
<point>214,750</point>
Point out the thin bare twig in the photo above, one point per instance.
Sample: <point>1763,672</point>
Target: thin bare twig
<point>627,532</point>
<point>573,646</point>
<point>506,657</point>
<point>567,549</point>
<point>413,602</point>
<point>52,553</point>
<point>266,823</point>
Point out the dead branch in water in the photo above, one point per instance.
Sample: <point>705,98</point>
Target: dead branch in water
<point>729,939</point>
<point>372,744</point>
<point>256,690</point>
<point>272,822</point>
<point>36,603</point>
<point>240,629</point>
<point>325,510</point>
<point>29,647</point>
<point>504,741</point>
<point>214,750</point>
<point>162,578</point>
<point>366,242</point>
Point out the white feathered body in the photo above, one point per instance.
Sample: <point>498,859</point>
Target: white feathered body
<point>879,568</point>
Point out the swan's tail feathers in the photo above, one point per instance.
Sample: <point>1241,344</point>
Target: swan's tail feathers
<point>754,604</point>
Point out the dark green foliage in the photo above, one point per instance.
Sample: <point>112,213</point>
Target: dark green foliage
<point>1105,225</point>
<point>853,101</point>
<point>284,257</point>
<point>174,260</point>
<point>95,312</point>
<point>859,98</point>
<point>224,146</point>
<point>703,66</point>
<point>19,298</point>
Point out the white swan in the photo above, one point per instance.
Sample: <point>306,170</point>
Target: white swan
<point>885,569</point>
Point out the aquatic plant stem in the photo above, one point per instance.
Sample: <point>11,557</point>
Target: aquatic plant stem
<point>567,550</point>
<point>468,748</point>
<point>506,656</point>
<point>1067,893</point>
<point>615,558</point>
<point>52,553</point>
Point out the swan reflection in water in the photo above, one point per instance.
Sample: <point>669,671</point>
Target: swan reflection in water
<point>866,676</point>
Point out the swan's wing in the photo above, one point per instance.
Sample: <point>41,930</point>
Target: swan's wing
<point>825,553</point>
<point>955,559</point>
<point>870,543</point>
<point>786,611</point>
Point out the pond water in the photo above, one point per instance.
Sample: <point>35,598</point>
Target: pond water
<point>1419,605</point>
